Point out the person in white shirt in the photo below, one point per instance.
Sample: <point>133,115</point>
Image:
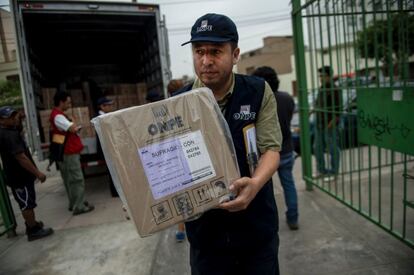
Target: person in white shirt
<point>65,131</point>
<point>105,105</point>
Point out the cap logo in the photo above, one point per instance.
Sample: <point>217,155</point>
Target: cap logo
<point>204,26</point>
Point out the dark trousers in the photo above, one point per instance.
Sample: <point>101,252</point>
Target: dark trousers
<point>247,261</point>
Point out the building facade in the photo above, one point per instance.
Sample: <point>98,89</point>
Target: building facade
<point>8,58</point>
<point>276,53</point>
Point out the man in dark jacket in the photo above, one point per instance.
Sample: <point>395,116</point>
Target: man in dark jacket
<point>21,171</point>
<point>241,236</point>
<point>328,106</point>
<point>285,108</point>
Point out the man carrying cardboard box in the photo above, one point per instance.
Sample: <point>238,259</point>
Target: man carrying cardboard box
<point>241,237</point>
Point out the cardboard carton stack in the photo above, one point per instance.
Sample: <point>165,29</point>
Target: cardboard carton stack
<point>81,116</point>
<point>123,95</point>
<point>45,124</point>
<point>47,97</point>
<point>77,97</point>
<point>126,95</point>
<point>173,159</point>
<point>142,93</point>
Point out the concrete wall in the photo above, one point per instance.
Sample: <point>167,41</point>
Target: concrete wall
<point>275,53</point>
<point>8,59</point>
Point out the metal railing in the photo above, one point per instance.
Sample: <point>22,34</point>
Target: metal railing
<point>7,218</point>
<point>369,48</point>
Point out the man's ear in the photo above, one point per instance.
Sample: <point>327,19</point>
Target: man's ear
<point>236,55</point>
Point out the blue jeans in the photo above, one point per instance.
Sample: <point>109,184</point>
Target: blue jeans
<point>288,183</point>
<point>327,140</point>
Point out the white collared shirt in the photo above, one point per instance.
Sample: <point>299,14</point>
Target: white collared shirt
<point>62,123</point>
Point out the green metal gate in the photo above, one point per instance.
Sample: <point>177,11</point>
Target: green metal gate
<point>357,126</point>
<point>7,219</point>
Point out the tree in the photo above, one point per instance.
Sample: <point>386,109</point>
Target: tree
<point>392,47</point>
<point>10,94</point>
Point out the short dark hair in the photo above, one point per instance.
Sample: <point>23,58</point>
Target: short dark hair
<point>60,96</point>
<point>269,75</point>
<point>234,45</point>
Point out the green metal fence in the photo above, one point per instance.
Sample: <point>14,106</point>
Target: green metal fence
<point>356,116</point>
<point>7,219</point>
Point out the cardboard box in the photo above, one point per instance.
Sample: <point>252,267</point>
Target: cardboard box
<point>45,124</point>
<point>172,160</point>
<point>77,97</point>
<point>47,97</point>
<point>80,115</point>
<point>142,93</point>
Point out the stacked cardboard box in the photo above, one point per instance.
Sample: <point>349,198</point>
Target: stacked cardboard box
<point>172,159</point>
<point>80,116</point>
<point>47,97</point>
<point>123,96</point>
<point>126,95</point>
<point>45,124</point>
<point>142,93</point>
<point>77,97</point>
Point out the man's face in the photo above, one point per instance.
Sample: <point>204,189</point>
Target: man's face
<point>12,121</point>
<point>107,107</point>
<point>213,62</point>
<point>66,104</point>
<point>325,79</point>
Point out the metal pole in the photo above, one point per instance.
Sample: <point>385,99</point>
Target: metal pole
<point>300,65</point>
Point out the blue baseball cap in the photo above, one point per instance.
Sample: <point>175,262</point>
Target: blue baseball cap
<point>212,27</point>
<point>103,100</point>
<point>7,111</point>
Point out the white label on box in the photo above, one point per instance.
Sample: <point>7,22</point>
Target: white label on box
<point>176,163</point>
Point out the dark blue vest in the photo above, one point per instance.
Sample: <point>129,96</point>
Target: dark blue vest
<point>217,229</point>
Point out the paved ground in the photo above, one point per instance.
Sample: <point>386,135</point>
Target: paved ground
<point>332,240</point>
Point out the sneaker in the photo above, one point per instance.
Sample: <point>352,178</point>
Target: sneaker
<point>38,224</point>
<point>37,232</point>
<point>329,178</point>
<point>293,225</point>
<point>87,209</point>
<point>179,236</point>
<point>71,208</point>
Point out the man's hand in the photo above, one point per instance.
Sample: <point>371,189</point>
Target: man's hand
<point>245,189</point>
<point>74,128</point>
<point>41,177</point>
<point>27,164</point>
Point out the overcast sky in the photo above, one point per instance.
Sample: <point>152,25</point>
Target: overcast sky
<point>255,19</point>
